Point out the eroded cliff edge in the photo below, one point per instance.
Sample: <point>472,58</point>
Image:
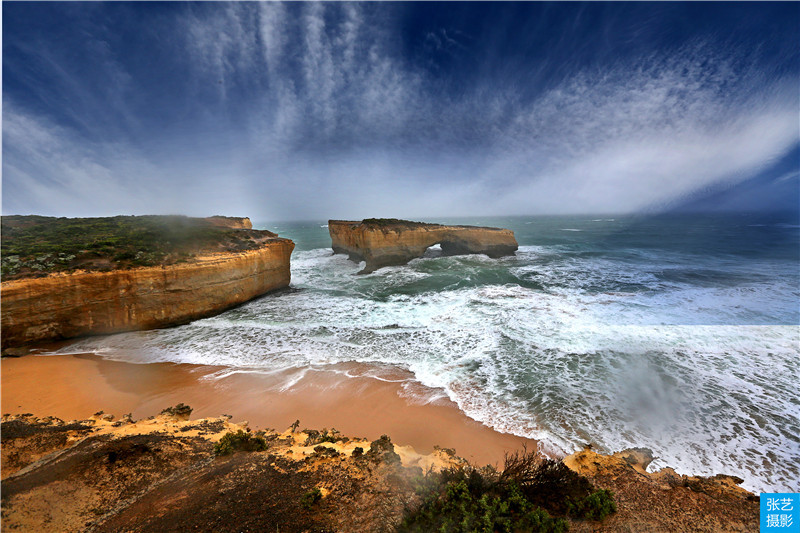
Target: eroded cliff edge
<point>173,473</point>
<point>69,304</point>
<point>386,242</point>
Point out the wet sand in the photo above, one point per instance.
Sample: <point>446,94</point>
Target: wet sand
<point>358,400</point>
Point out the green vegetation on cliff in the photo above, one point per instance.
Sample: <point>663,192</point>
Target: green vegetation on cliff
<point>384,222</point>
<point>524,496</point>
<point>36,245</point>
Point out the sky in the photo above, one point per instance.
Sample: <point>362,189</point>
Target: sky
<point>302,111</point>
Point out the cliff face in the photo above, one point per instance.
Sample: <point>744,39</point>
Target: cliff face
<point>230,222</point>
<point>95,303</point>
<point>383,243</point>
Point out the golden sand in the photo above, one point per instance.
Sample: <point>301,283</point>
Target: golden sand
<point>76,386</point>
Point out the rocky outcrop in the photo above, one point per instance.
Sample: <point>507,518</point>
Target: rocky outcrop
<point>65,305</point>
<point>663,500</point>
<point>162,474</point>
<point>385,242</point>
<point>230,222</point>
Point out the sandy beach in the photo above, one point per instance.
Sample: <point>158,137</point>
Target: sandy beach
<point>77,386</point>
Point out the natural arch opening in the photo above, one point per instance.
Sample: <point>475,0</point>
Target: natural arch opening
<point>434,250</point>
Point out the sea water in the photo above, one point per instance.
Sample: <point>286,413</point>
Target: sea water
<point>676,333</point>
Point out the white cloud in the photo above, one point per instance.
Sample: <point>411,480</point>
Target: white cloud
<point>643,136</point>
<point>337,124</point>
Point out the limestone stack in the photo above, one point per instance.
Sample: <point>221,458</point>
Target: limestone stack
<point>385,242</point>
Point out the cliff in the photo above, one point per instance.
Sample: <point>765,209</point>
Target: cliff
<point>385,242</point>
<point>64,305</point>
<point>230,222</point>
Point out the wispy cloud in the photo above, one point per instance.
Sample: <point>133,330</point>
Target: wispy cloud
<point>313,110</point>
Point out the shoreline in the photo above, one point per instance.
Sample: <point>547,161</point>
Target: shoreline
<point>345,396</point>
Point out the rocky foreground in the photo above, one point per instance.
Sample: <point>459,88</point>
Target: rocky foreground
<point>170,473</point>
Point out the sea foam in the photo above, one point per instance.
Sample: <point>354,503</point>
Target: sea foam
<point>641,348</point>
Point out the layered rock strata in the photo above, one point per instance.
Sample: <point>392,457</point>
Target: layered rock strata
<point>385,242</point>
<point>65,305</point>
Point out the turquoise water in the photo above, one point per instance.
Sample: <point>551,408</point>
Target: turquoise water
<point>675,333</point>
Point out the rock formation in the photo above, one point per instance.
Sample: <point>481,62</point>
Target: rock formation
<point>385,242</point>
<point>230,222</point>
<point>64,305</point>
<point>663,500</point>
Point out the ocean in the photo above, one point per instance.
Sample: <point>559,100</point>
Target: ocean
<point>676,333</point>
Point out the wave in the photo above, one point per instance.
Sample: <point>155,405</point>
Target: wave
<point>553,344</point>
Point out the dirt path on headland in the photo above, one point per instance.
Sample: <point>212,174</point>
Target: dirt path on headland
<point>76,386</point>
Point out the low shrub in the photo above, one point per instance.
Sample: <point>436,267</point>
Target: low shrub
<point>529,494</point>
<point>595,506</point>
<point>311,497</point>
<point>325,451</point>
<point>382,449</point>
<point>332,436</point>
<point>457,508</point>
<point>241,440</point>
<point>312,437</point>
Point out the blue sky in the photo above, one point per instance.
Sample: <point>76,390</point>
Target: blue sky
<point>336,110</point>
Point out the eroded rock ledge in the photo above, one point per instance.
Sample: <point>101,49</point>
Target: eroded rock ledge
<point>385,242</point>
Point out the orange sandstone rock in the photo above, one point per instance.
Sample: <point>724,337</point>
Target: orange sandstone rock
<point>395,242</point>
<point>230,222</point>
<point>94,303</point>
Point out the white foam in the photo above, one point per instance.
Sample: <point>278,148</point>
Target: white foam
<point>607,351</point>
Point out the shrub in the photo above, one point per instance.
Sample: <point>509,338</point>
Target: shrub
<point>241,440</point>
<point>49,244</point>
<point>595,506</point>
<point>521,497</point>
<point>333,436</point>
<point>311,497</point>
<point>501,509</point>
<point>325,451</point>
<point>383,450</point>
<point>179,410</point>
<point>312,436</point>
<point>551,484</point>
